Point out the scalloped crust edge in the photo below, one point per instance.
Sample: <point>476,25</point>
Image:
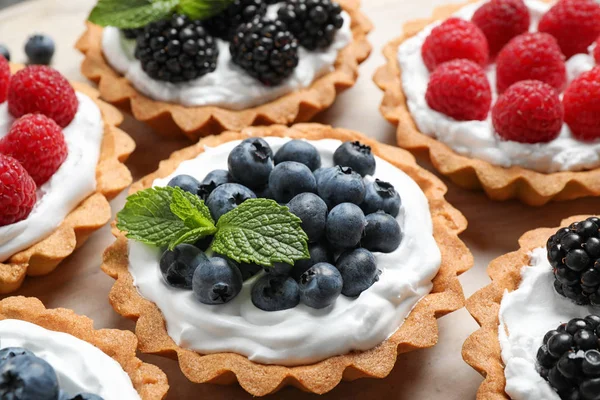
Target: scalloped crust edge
<point>530,187</point>
<point>112,177</point>
<point>481,350</point>
<point>418,331</point>
<point>148,380</point>
<point>171,119</point>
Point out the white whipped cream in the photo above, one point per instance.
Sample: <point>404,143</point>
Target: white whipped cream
<point>229,86</point>
<point>72,183</point>
<point>80,366</point>
<point>301,335</point>
<point>478,139</point>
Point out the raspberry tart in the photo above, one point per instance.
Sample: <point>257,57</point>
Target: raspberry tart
<point>225,65</point>
<point>305,234</point>
<point>61,160</point>
<point>501,94</point>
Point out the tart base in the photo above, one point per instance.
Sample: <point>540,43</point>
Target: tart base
<point>418,331</point>
<point>170,119</point>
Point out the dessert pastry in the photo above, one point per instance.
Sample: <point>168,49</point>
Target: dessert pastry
<point>501,93</point>
<point>217,79</point>
<point>59,167</point>
<point>539,317</point>
<point>56,354</point>
<point>352,272</point>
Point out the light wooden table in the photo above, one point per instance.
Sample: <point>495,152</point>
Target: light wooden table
<point>437,373</point>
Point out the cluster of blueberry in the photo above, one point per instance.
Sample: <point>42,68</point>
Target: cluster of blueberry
<point>345,216</point>
<point>25,376</point>
<point>38,48</point>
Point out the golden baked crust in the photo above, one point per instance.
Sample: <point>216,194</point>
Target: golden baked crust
<point>149,381</point>
<point>482,349</point>
<point>418,331</point>
<point>112,176</point>
<point>172,119</point>
<point>530,187</point>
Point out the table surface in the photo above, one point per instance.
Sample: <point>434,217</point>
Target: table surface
<point>493,230</point>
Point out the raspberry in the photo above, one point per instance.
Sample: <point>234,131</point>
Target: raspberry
<point>574,23</point>
<point>460,89</point>
<point>17,191</point>
<point>597,51</point>
<point>500,21</point>
<point>528,112</point>
<point>582,105</point>
<point>39,145</point>
<point>455,38</point>
<point>41,89</point>
<point>4,78</point>
<point>531,56</point>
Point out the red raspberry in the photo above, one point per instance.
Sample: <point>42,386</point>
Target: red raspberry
<point>17,191</point>
<point>460,89</point>
<point>455,38</point>
<point>41,89</point>
<point>574,23</point>
<point>38,143</point>
<point>582,105</point>
<point>4,78</point>
<point>531,56</point>
<point>500,21</point>
<point>597,51</point>
<point>528,112</point>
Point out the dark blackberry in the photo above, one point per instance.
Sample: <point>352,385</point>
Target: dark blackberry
<point>176,50</point>
<point>266,50</point>
<point>224,24</point>
<point>313,22</point>
<point>132,33</point>
<point>574,254</point>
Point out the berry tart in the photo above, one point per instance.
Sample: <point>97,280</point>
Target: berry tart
<point>317,255</point>
<point>224,65</point>
<point>502,95</point>
<point>55,354</point>
<point>61,160</point>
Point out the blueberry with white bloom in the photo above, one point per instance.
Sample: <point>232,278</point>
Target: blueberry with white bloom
<point>359,271</point>
<point>319,252</point>
<point>340,185</point>
<point>382,233</point>
<point>251,162</point>
<point>186,183</point>
<point>227,197</point>
<point>300,151</point>
<point>356,155</point>
<point>275,293</point>
<point>312,210</point>
<point>382,196</point>
<point>177,266</point>
<point>345,226</point>
<point>28,377</point>
<point>321,285</point>
<point>289,179</point>
<point>217,281</point>
<point>213,180</point>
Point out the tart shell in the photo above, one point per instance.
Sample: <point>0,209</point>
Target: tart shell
<point>148,380</point>
<point>112,177</point>
<point>418,331</point>
<point>530,187</point>
<point>172,119</point>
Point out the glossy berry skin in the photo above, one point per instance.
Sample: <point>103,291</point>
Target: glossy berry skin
<point>224,24</point>
<point>340,185</point>
<point>275,293</point>
<point>345,226</point>
<point>4,78</point>
<point>178,265</point>
<point>227,197</point>
<point>359,271</point>
<point>217,281</point>
<point>357,156</point>
<point>382,233</point>
<point>11,352</point>
<point>250,163</point>
<point>213,180</point>
<point>28,377</point>
<point>17,191</point>
<point>4,52</point>
<point>320,252</point>
<point>300,151</point>
<point>312,210</point>
<point>500,21</point>
<point>39,49</point>
<point>186,183</point>
<point>320,286</point>
<point>289,179</point>
<point>582,109</point>
<point>381,196</point>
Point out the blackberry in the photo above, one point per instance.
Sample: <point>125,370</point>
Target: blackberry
<point>574,254</point>
<point>224,24</point>
<point>266,50</point>
<point>176,50</point>
<point>569,358</point>
<point>313,22</point>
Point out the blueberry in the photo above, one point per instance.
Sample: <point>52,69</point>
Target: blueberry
<point>558,344</point>
<point>591,363</point>
<point>4,52</point>
<point>289,179</point>
<point>320,285</point>
<point>227,197</point>
<point>319,252</point>
<point>251,162</point>
<point>382,233</point>
<point>322,173</point>
<point>39,49</point>
<point>345,226</point>
<point>544,358</point>
<point>590,389</point>
<point>312,210</point>
<point>217,281</point>
<point>213,180</point>
<point>264,193</point>
<point>10,352</point>
<point>359,271</point>
<point>381,196</point>
<point>185,182</point>
<point>249,270</point>
<point>300,151</point>
<point>178,265</point>
<point>274,293</point>
<point>357,156</point>
<point>86,396</point>
<point>341,185</point>
<point>280,269</point>
<point>28,377</point>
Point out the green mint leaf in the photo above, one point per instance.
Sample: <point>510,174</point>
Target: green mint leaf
<point>131,13</point>
<point>262,232</point>
<point>191,210</point>
<point>193,236</point>
<point>202,9</point>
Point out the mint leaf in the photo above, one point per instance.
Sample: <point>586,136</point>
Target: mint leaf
<point>131,13</point>
<point>202,9</point>
<point>190,209</point>
<point>262,232</point>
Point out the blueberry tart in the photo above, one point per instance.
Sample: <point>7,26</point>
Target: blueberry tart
<point>252,255</point>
